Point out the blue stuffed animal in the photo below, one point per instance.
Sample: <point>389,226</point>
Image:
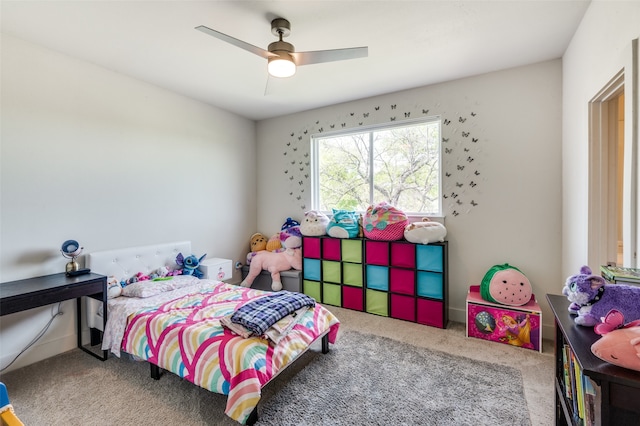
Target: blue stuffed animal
<point>343,224</point>
<point>190,265</point>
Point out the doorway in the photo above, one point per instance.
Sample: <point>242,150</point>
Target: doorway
<point>611,186</point>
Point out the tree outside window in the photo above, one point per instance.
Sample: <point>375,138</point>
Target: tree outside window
<point>399,164</point>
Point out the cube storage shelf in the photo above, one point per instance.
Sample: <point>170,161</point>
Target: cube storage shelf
<point>395,279</point>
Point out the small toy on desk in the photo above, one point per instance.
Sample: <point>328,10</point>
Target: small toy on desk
<point>506,285</point>
<point>620,343</point>
<point>274,262</point>
<point>425,232</point>
<point>594,298</point>
<point>314,224</point>
<point>190,264</point>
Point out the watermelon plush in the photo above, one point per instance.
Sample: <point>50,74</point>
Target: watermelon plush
<point>506,285</point>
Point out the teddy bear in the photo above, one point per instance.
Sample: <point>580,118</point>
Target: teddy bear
<point>274,262</point>
<point>314,224</point>
<point>592,298</point>
<point>258,242</point>
<point>425,232</point>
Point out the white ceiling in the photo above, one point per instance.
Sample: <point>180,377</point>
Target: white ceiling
<point>411,43</point>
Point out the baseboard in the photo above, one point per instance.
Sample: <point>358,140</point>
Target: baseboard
<point>40,352</point>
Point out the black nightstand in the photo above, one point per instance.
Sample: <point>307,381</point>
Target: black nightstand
<point>17,296</point>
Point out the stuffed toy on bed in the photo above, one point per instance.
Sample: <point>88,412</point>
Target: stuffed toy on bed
<point>114,289</point>
<point>592,298</point>
<point>190,264</point>
<point>274,262</point>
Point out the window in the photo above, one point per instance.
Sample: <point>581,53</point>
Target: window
<point>397,163</point>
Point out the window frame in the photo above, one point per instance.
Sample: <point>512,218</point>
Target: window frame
<point>371,129</point>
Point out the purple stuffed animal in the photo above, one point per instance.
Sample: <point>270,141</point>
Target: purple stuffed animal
<point>592,298</point>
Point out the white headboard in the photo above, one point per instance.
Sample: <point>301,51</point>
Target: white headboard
<point>126,262</point>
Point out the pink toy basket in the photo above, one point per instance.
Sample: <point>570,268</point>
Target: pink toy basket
<point>384,222</point>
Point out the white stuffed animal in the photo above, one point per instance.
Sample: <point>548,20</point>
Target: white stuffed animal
<point>314,224</point>
<point>113,287</point>
<point>425,232</point>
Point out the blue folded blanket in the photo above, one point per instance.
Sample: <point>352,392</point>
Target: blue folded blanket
<point>260,314</point>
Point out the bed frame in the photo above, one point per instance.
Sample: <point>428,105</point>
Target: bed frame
<point>129,261</point>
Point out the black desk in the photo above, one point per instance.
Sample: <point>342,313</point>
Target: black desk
<point>17,296</point>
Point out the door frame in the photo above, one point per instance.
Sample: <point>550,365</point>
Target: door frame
<point>602,205</point>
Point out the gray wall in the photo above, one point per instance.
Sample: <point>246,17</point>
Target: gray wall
<point>507,182</point>
<point>112,162</point>
<point>600,48</point>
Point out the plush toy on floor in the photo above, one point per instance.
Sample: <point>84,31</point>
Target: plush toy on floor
<point>594,298</point>
<point>190,264</point>
<point>274,262</point>
<point>620,342</point>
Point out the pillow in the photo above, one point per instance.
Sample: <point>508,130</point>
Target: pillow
<point>147,288</point>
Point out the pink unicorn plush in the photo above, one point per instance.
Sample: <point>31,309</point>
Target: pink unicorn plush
<point>274,262</point>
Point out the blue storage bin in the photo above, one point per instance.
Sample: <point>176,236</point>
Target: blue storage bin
<point>311,268</point>
<point>378,277</point>
<point>429,257</point>
<point>430,284</point>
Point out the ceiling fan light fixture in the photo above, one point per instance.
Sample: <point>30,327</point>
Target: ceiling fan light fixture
<point>281,66</point>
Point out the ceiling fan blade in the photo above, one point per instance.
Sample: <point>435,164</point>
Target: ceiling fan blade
<point>320,56</point>
<point>238,43</point>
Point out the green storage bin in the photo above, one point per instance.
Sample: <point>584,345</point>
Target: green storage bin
<point>377,302</point>
<point>352,251</point>
<point>331,271</point>
<point>352,274</point>
<point>331,294</point>
<point>312,289</point>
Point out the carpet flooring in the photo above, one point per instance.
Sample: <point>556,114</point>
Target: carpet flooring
<point>374,380</point>
<point>381,371</point>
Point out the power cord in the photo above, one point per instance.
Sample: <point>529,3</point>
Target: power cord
<point>38,336</point>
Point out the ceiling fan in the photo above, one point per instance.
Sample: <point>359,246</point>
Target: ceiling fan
<point>281,56</point>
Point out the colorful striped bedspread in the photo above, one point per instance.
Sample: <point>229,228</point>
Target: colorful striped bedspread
<point>184,336</point>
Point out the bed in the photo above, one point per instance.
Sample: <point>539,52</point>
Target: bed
<point>175,325</point>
